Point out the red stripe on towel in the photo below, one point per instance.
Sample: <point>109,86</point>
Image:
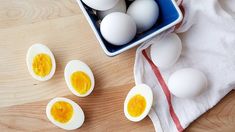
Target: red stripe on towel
<point>166,91</point>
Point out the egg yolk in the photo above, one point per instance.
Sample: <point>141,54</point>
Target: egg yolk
<point>62,111</point>
<point>136,105</point>
<point>80,82</point>
<point>42,65</point>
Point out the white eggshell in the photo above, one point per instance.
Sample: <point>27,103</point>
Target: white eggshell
<point>145,13</point>
<point>119,7</point>
<point>147,93</point>
<point>77,65</point>
<point>32,52</point>
<point>101,4</point>
<point>118,28</point>
<point>75,122</point>
<point>166,51</point>
<point>187,83</point>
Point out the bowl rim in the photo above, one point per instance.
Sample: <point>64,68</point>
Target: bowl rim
<point>111,54</point>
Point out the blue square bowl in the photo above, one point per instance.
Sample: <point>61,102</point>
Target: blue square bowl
<point>169,15</point>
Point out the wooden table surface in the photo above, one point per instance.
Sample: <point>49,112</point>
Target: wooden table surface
<point>62,27</point>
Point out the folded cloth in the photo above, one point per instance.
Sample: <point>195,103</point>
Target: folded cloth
<point>208,38</point>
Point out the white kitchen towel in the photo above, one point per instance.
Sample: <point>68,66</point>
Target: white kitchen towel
<point>208,38</point>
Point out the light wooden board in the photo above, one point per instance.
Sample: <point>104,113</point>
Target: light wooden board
<point>62,27</point>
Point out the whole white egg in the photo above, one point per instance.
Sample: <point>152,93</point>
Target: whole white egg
<point>101,4</point>
<point>65,113</point>
<point>118,28</point>
<point>119,7</point>
<point>138,102</point>
<point>40,62</point>
<point>79,78</point>
<point>166,51</point>
<point>145,13</point>
<point>187,83</point>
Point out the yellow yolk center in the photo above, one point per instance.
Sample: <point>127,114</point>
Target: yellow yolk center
<point>136,105</point>
<point>42,65</point>
<point>80,82</point>
<point>62,111</point>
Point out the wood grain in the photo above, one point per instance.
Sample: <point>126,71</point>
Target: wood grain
<point>221,118</point>
<point>100,116</point>
<point>62,27</point>
<point>22,12</point>
<point>68,38</point>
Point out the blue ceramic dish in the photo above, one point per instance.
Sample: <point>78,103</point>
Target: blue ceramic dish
<point>169,15</point>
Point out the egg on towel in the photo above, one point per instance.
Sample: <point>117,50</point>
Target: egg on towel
<point>40,62</point>
<point>118,28</point>
<point>145,13</point>
<point>79,78</point>
<point>119,7</point>
<point>166,51</point>
<point>101,4</point>
<point>187,83</point>
<point>138,102</point>
<point>65,113</point>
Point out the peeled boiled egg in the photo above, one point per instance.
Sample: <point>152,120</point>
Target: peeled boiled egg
<point>65,113</point>
<point>118,28</point>
<point>119,7</point>
<point>40,62</point>
<point>79,78</point>
<point>138,102</point>
<point>166,51</point>
<point>187,83</point>
<point>145,13</point>
<point>101,4</point>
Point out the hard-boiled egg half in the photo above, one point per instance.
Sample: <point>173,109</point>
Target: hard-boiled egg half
<point>79,78</point>
<point>65,113</point>
<point>40,62</point>
<point>138,102</point>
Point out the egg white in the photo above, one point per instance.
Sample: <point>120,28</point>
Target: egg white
<point>180,83</point>
<point>76,120</point>
<point>147,93</point>
<point>145,14</point>
<point>100,4</point>
<point>166,52</point>
<point>118,28</point>
<point>77,65</point>
<point>32,52</point>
